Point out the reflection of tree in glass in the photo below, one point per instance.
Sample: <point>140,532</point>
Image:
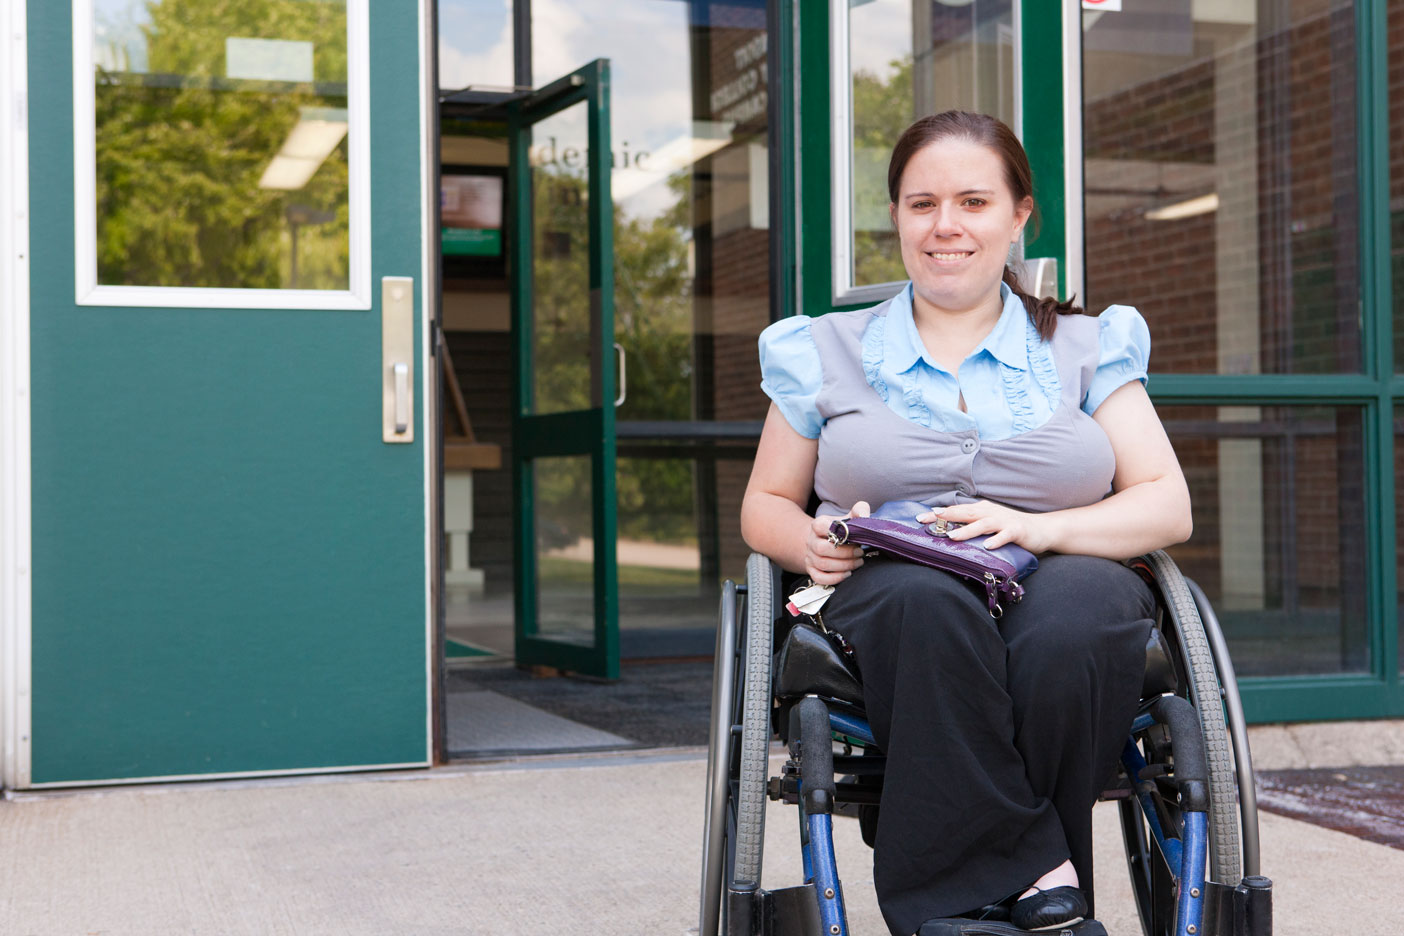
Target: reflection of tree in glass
<point>181,150</point>
<point>881,111</point>
<point>653,322</point>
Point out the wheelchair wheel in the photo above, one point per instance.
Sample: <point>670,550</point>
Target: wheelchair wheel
<point>755,722</point>
<point>738,753</point>
<point>1205,692</point>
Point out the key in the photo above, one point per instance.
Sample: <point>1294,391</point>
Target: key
<point>808,600</point>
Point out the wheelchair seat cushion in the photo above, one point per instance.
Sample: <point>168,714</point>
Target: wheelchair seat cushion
<point>810,664</point>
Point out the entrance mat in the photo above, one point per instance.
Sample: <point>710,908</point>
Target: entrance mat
<point>489,723</point>
<point>1367,802</point>
<point>651,705</point>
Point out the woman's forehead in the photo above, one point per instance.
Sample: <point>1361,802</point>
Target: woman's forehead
<point>953,163</point>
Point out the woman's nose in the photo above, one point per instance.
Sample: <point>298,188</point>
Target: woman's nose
<point>945,221</point>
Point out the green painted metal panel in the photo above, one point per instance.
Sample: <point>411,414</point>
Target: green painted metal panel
<point>815,163</point>
<point>1041,114</point>
<point>1322,698</point>
<point>228,564</point>
<point>1251,389</point>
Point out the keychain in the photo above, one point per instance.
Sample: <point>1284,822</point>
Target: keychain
<point>809,600</point>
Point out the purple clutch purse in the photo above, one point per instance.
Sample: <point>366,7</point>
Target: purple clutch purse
<point>892,529</point>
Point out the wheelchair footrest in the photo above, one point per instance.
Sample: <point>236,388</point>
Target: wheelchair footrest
<point>961,927</point>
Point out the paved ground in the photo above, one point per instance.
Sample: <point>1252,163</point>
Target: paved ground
<point>601,845</point>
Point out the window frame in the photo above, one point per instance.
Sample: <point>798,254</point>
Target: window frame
<point>87,290</point>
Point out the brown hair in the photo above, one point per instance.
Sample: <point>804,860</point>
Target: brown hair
<point>994,135</point>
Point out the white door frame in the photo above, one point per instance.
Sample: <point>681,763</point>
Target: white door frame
<point>15,593</point>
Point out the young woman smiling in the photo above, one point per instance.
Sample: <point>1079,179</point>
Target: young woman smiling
<point>1017,417</point>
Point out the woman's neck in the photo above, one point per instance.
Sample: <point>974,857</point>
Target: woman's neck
<point>950,335</point>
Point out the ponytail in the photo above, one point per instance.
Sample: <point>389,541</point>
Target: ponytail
<point>1044,312</point>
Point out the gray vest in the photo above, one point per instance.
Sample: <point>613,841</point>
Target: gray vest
<point>868,452</point>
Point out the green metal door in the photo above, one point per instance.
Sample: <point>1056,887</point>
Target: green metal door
<point>229,561</point>
<point>562,271</point>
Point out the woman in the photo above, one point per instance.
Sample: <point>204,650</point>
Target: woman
<point>1017,418</point>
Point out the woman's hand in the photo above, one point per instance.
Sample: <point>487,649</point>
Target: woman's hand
<point>1004,524</point>
<point>825,562</point>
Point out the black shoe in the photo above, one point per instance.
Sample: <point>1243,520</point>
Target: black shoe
<point>1052,907</point>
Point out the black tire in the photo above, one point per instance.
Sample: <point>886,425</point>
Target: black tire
<point>1202,682</point>
<point>755,722</point>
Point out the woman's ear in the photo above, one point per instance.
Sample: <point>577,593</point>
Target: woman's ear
<point>892,213</point>
<point>1021,216</point>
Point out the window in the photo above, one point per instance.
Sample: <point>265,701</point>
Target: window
<point>894,61</point>
<point>218,148</point>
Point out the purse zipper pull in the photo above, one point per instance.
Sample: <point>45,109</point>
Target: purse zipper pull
<point>992,590</point>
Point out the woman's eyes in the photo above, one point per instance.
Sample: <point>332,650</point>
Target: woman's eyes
<point>966,203</point>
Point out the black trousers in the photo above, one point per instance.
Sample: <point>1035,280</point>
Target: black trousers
<point>1000,735</point>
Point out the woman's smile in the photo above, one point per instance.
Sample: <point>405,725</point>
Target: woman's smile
<point>949,257</point>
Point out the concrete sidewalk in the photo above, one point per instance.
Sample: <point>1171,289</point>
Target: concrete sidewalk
<point>603,845</point>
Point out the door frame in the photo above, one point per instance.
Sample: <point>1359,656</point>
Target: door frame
<point>15,551</point>
<point>16,611</point>
<point>589,432</point>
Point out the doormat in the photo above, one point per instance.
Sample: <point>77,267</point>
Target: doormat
<point>651,705</point>
<point>1367,802</point>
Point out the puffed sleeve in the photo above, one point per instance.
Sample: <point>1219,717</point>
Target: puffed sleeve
<point>1124,355</point>
<point>791,374</point>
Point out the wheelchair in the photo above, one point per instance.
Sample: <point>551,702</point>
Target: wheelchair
<point>1184,787</point>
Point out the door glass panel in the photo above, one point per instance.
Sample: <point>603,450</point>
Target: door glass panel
<point>909,58</point>
<point>560,282</point>
<point>565,549</point>
<point>679,537</point>
<point>1279,532</point>
<point>690,183</point>
<point>221,144</point>
<point>475,44</point>
<point>1221,182</point>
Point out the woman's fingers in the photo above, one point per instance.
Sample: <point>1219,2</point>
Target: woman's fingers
<point>1000,538</point>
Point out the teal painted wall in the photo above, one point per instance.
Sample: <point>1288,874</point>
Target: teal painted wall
<point>228,564</point>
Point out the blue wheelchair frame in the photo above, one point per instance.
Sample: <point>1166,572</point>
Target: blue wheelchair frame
<point>1180,836</point>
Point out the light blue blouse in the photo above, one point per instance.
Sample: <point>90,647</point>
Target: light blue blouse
<point>1010,381</point>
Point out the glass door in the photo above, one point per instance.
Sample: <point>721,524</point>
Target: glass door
<point>562,276</point>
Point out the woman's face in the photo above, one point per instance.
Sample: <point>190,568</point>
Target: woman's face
<point>956,218</point>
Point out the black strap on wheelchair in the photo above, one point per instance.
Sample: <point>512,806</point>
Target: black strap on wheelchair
<point>816,754</point>
<point>1191,763</point>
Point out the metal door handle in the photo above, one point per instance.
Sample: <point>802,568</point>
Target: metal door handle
<point>402,392</point>
<point>397,359</point>
<point>623,376</point>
